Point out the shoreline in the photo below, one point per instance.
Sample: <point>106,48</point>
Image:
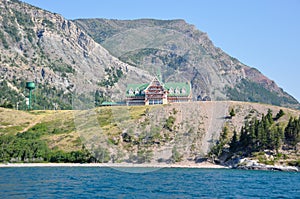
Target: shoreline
<point>150,166</point>
<point>203,165</point>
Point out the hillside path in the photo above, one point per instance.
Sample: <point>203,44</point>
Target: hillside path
<point>37,120</point>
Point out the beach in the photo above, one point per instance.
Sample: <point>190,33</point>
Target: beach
<point>207,165</point>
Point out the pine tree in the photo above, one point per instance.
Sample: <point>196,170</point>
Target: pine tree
<point>292,132</point>
<point>234,142</point>
<point>269,116</point>
<point>224,135</point>
<point>263,135</point>
<point>243,137</point>
<point>279,114</point>
<point>252,136</point>
<point>232,112</point>
<point>278,134</point>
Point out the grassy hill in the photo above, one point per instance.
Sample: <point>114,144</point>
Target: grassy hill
<point>169,133</point>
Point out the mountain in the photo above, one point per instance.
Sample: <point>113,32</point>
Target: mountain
<point>74,62</point>
<point>180,52</point>
<point>39,46</point>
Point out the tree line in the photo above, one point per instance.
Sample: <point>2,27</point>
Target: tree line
<point>265,134</point>
<point>29,147</point>
<point>260,134</point>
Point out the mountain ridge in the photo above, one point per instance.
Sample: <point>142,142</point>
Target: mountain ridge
<point>139,42</point>
<point>65,62</point>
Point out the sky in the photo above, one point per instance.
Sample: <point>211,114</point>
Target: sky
<point>264,34</point>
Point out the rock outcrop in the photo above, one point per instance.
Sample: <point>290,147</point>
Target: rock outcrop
<point>248,164</point>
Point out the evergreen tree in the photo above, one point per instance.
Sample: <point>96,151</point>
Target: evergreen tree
<point>232,112</point>
<point>243,138</point>
<point>269,116</point>
<point>278,135</point>
<point>225,133</point>
<point>234,141</point>
<point>251,140</point>
<point>279,114</point>
<point>292,132</point>
<point>263,135</point>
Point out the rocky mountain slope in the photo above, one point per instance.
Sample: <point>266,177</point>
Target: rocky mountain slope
<point>182,53</point>
<point>57,55</point>
<point>72,61</point>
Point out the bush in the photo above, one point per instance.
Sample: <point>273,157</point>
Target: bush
<point>102,155</point>
<point>144,156</point>
<point>170,122</point>
<point>3,40</point>
<point>24,147</point>
<point>7,105</point>
<point>176,156</point>
<point>28,147</point>
<point>48,23</point>
<point>23,19</point>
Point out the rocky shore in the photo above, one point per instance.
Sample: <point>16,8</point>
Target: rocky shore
<point>248,164</point>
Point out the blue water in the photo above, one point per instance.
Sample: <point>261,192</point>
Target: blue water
<point>91,182</point>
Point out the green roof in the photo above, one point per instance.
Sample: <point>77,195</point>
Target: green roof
<point>140,87</point>
<point>178,85</point>
<point>108,103</point>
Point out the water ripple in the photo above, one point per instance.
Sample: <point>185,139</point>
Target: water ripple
<point>75,182</point>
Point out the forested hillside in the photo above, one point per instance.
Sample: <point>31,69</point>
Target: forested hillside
<point>269,139</point>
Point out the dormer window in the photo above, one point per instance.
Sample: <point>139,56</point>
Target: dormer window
<point>130,92</point>
<point>183,91</point>
<point>177,90</point>
<point>171,90</point>
<point>137,91</point>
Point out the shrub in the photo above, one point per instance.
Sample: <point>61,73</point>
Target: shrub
<point>170,122</point>
<point>176,156</point>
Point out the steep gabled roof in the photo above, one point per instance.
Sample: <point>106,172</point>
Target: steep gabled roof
<point>155,79</point>
<point>181,86</point>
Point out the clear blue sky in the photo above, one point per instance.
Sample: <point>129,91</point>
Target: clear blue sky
<point>264,34</point>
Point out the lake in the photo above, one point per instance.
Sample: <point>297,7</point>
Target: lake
<point>97,182</point>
